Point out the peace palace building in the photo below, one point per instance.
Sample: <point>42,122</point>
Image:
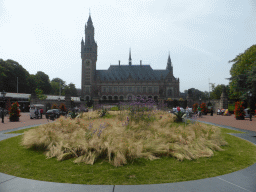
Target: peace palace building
<point>123,82</point>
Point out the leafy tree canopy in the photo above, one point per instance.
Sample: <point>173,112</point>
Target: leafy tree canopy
<point>9,72</point>
<point>217,91</point>
<point>242,73</point>
<point>39,94</point>
<point>43,82</point>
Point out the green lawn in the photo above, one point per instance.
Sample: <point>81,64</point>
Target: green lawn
<point>26,163</point>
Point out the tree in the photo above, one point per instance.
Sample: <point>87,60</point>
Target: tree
<point>9,71</point>
<point>72,89</point>
<point>55,88</point>
<point>39,94</point>
<point>57,84</point>
<point>241,71</point>
<point>196,94</point>
<point>43,82</point>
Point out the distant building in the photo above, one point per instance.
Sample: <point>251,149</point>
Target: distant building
<point>25,100</point>
<point>123,82</point>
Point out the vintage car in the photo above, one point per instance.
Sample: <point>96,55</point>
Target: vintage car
<point>33,109</point>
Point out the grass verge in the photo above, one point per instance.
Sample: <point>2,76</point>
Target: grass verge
<point>27,163</point>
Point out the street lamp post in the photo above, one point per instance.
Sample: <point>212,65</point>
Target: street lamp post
<point>3,94</point>
<point>250,94</point>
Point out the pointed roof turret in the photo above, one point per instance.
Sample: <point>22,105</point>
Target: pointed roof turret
<point>89,22</point>
<point>169,58</point>
<point>130,58</point>
<point>169,63</point>
<point>82,41</point>
<point>89,19</point>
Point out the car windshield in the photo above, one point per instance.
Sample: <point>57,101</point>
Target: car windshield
<point>49,111</point>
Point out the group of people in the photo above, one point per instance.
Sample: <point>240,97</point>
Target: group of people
<point>38,113</point>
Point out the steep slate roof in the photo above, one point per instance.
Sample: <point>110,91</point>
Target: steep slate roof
<point>138,72</point>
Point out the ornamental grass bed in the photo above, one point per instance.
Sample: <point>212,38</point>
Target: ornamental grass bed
<point>119,140</point>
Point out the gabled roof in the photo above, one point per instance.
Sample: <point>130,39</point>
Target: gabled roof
<point>137,72</point>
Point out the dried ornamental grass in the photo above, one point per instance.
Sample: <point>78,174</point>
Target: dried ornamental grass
<point>88,139</point>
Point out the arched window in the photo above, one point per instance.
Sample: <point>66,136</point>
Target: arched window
<point>169,92</point>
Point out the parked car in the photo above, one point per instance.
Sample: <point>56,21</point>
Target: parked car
<point>52,112</point>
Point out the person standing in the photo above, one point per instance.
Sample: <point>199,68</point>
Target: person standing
<point>41,112</point>
<point>36,113</point>
<point>199,111</point>
<point>187,112</point>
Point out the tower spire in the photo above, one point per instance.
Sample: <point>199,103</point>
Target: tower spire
<point>130,58</point>
<point>169,63</point>
<point>169,58</point>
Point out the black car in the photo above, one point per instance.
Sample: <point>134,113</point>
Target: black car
<point>52,113</point>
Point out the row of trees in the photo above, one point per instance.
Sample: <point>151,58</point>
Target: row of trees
<point>242,81</point>
<point>28,83</point>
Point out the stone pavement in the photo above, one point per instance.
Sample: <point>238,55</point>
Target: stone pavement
<point>25,121</point>
<point>230,121</point>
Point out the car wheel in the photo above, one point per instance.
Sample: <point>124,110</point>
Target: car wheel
<point>31,118</point>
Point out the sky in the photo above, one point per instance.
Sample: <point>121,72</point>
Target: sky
<point>201,36</point>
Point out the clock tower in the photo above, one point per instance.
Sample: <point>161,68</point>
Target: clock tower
<point>89,59</point>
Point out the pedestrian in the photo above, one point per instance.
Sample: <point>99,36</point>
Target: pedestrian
<point>211,112</point>
<point>187,112</point>
<point>218,113</point>
<point>41,112</point>
<point>199,111</point>
<point>36,113</point>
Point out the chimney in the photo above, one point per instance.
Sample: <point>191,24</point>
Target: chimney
<point>119,62</point>
<point>140,62</point>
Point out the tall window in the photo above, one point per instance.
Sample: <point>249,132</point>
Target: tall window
<point>144,89</point>
<point>156,89</point>
<point>169,92</point>
<point>121,89</point>
<point>130,89</point>
<point>87,89</point>
<point>104,89</point>
<point>150,89</point>
<point>115,89</point>
<point>138,89</point>
<point>110,89</point>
